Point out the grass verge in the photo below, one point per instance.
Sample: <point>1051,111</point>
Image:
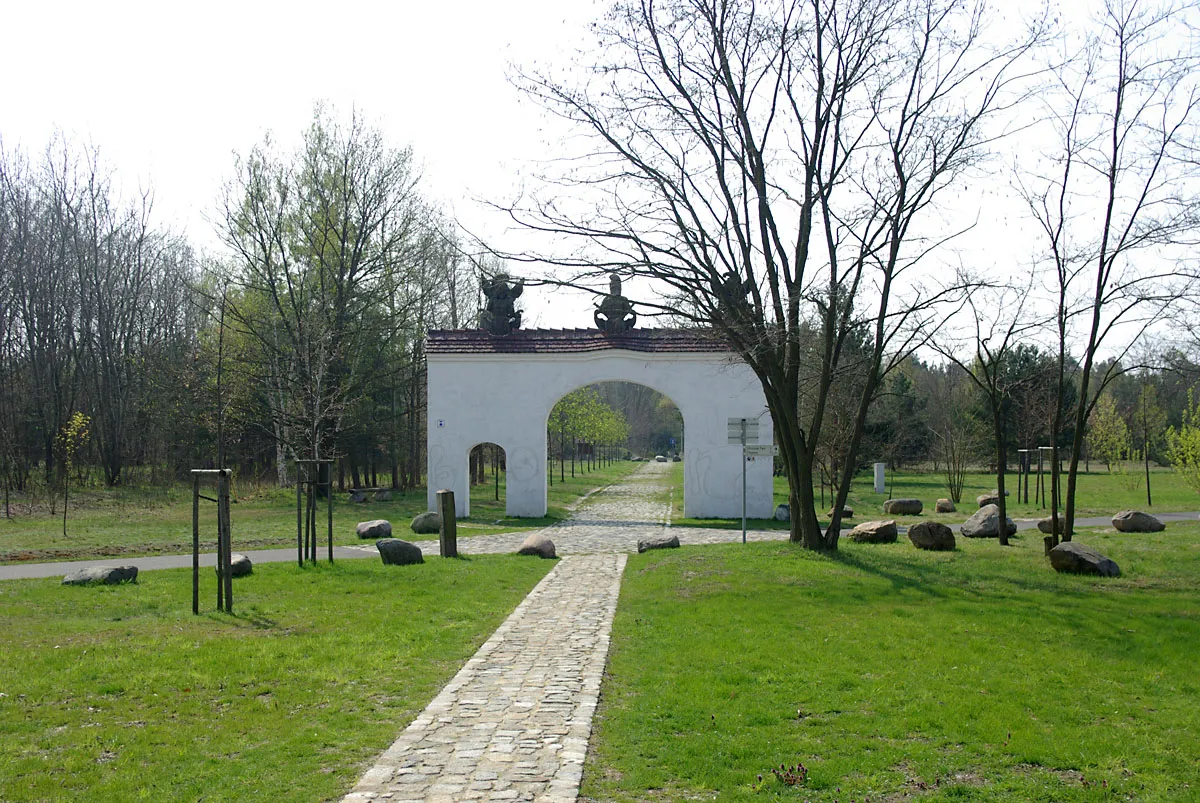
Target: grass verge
<point>158,521</point>
<point>1100,494</point>
<point>892,673</point>
<point>120,693</point>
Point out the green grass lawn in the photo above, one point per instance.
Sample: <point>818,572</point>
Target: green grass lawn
<point>129,522</point>
<point>120,693</point>
<point>1100,494</point>
<point>889,672</point>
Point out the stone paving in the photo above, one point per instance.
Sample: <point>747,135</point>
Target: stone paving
<point>514,722</point>
<point>610,521</point>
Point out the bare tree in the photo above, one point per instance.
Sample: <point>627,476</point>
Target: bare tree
<point>952,424</point>
<point>315,237</point>
<point>1117,195</point>
<point>775,167</point>
<point>999,329</point>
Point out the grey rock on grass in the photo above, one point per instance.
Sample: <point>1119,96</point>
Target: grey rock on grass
<point>395,552</point>
<point>239,565</point>
<point>931,535</point>
<point>537,544</point>
<point>101,575</point>
<point>658,542</point>
<point>903,507</point>
<point>1046,525</point>
<point>427,523</point>
<point>875,532</point>
<point>1075,558</point>
<point>1135,521</point>
<point>985,523</point>
<point>378,528</point>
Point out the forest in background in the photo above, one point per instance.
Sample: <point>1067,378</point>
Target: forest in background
<point>129,358</point>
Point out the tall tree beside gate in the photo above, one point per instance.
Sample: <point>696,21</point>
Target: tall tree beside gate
<point>771,167</point>
<point>317,236</point>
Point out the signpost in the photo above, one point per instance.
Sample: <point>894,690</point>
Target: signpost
<point>744,431</point>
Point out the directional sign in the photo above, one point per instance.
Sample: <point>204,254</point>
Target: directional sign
<point>743,427</point>
<point>762,450</point>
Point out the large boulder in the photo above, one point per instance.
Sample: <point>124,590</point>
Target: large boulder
<point>847,512</point>
<point>101,575</point>
<point>990,498</point>
<point>1046,525</point>
<point>945,506</point>
<point>1074,557</point>
<point>537,544</point>
<point>395,552</point>
<point>658,542</point>
<point>783,513</point>
<point>932,535</point>
<point>985,523</point>
<point>903,507</point>
<point>1135,521</point>
<point>383,496</point>
<point>875,532</point>
<point>239,565</point>
<point>427,523</point>
<point>379,528</point>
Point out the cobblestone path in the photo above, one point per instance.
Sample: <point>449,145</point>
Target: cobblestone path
<point>611,520</point>
<point>514,722</point>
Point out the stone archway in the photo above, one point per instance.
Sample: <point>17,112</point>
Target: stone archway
<point>500,389</point>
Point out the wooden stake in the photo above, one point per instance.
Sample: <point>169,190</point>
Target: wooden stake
<point>195,543</point>
<point>448,535</point>
<point>225,534</point>
<point>299,525</point>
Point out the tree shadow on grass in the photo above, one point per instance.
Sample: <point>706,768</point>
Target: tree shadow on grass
<point>978,581</point>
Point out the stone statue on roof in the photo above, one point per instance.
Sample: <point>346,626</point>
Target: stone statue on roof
<point>615,314</point>
<point>731,296</point>
<point>501,316</point>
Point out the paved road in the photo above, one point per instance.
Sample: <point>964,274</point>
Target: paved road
<point>596,527</point>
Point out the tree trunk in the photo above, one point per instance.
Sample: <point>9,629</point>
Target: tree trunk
<point>1001,459</point>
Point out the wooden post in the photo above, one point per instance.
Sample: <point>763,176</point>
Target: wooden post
<point>448,534</point>
<point>299,521</point>
<point>312,515</point>
<point>329,502</point>
<point>195,543</point>
<point>223,529</point>
<point>220,553</point>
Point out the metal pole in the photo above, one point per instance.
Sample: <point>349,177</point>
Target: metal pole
<point>196,543</point>
<point>329,500</point>
<point>220,551</point>
<point>299,521</point>
<point>225,535</point>
<point>743,480</point>
<point>1041,491</point>
<point>312,496</point>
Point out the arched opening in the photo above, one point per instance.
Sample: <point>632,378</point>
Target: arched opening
<point>603,422</point>
<point>487,469</point>
<point>484,388</point>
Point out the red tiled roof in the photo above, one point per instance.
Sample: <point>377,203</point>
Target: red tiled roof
<point>566,341</point>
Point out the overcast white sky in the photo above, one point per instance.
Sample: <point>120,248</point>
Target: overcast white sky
<point>168,91</point>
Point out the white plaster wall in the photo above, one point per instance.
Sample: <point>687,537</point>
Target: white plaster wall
<point>506,399</point>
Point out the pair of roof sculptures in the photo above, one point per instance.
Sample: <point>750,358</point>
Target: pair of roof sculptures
<point>613,315</point>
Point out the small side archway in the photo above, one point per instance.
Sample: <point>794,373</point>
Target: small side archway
<point>501,389</point>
